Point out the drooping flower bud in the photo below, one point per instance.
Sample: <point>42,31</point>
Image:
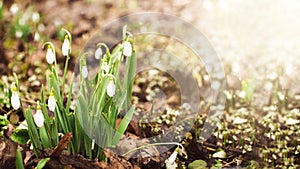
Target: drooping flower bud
<point>127,48</point>
<point>38,117</point>
<point>66,47</point>
<point>111,88</point>
<point>84,71</point>
<point>104,67</point>
<point>98,53</point>
<point>15,99</point>
<point>50,56</point>
<point>51,101</point>
<point>170,162</point>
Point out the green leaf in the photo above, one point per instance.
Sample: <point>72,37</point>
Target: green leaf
<point>32,130</point>
<point>44,137</point>
<point>129,76</point>
<point>42,163</point>
<point>3,120</point>
<point>123,125</point>
<point>197,164</point>
<point>19,160</point>
<point>20,136</point>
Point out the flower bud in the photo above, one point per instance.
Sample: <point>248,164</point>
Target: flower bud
<point>84,72</point>
<point>127,48</point>
<point>15,99</point>
<point>50,57</point>
<point>66,47</point>
<point>111,88</point>
<point>38,117</point>
<point>98,53</point>
<point>51,102</point>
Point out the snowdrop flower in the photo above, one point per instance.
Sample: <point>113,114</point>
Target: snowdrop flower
<point>84,71</point>
<point>66,47</point>
<point>36,36</point>
<point>50,56</point>
<point>127,50</point>
<point>51,102</point>
<point>170,162</point>
<point>38,117</point>
<point>15,99</point>
<point>111,88</point>
<point>19,34</point>
<point>98,53</point>
<point>14,9</point>
<point>105,68</point>
<point>35,17</point>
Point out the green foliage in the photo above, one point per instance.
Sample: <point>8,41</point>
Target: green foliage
<point>20,136</point>
<point>218,165</point>
<point>3,124</point>
<point>96,108</point>
<point>5,93</point>
<point>42,163</point>
<point>19,160</point>
<point>197,164</point>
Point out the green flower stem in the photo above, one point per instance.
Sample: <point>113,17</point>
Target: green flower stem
<point>65,76</point>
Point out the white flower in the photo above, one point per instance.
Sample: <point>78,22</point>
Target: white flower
<point>51,102</point>
<point>50,57</point>
<point>98,53</point>
<point>19,34</point>
<point>127,51</point>
<point>105,67</point>
<point>173,156</point>
<point>15,99</point>
<point>111,88</point>
<point>66,48</point>
<point>36,36</point>
<point>38,117</point>
<point>170,162</point>
<point>14,9</point>
<point>84,71</point>
<point>35,17</point>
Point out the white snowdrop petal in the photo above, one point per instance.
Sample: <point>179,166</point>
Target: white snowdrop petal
<point>111,89</point>
<point>105,67</point>
<point>38,118</point>
<point>50,56</point>
<point>35,17</point>
<point>51,103</point>
<point>14,9</point>
<point>173,156</point>
<point>169,165</point>
<point>98,53</point>
<point>127,51</point>
<point>66,47</point>
<point>84,71</point>
<point>15,100</point>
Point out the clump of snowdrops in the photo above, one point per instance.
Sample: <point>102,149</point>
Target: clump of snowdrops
<point>98,105</point>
